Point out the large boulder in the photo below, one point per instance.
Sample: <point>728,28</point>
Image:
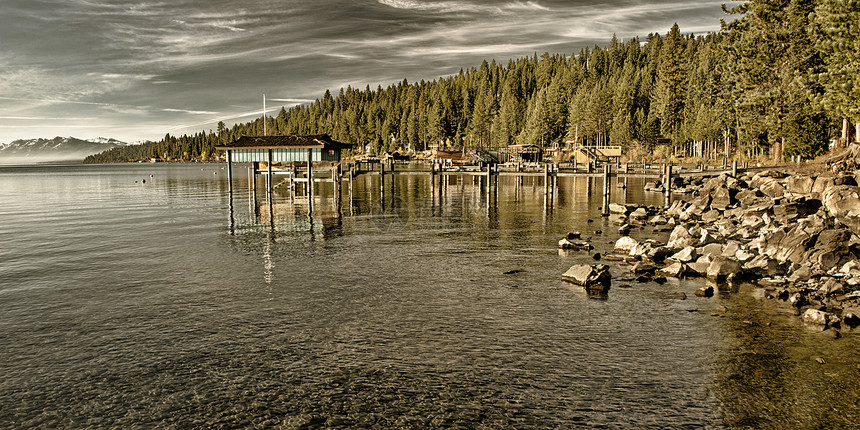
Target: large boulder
<point>794,208</point>
<point>748,197</point>
<point>721,198</point>
<point>698,267</point>
<point>617,209</point>
<point>681,238</point>
<point>639,213</point>
<point>625,244</point>
<point>726,227</point>
<point>701,203</point>
<point>790,244</point>
<point>763,265</point>
<point>676,208</point>
<point>722,267</point>
<point>643,267</point>
<point>675,270</point>
<point>685,255</point>
<point>822,184</point>
<point>815,317</point>
<point>772,188</point>
<point>830,246</point>
<point>843,202</point>
<point>594,278</point>
<point>713,249</point>
<point>800,184</point>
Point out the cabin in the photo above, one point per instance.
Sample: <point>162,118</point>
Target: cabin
<point>285,151</point>
<point>524,153</point>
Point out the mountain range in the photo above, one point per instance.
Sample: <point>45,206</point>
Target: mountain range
<point>58,149</point>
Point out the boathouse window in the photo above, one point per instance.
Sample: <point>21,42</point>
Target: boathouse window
<point>331,152</point>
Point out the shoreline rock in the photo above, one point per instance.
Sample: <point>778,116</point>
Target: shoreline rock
<point>595,278</point>
<point>796,235</point>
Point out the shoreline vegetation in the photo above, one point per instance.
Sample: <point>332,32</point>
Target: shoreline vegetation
<point>777,82</point>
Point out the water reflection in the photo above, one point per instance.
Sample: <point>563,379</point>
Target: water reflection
<point>767,375</point>
<point>751,367</point>
<point>131,305</point>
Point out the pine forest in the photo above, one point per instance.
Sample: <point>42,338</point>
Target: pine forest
<point>780,79</point>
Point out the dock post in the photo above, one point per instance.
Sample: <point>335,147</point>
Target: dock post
<point>489,178</point>
<point>310,182</point>
<point>546,178</point>
<point>293,184</point>
<point>735,168</point>
<point>254,178</point>
<point>382,178</point>
<point>269,173</point>
<point>607,193</point>
<point>668,186</point>
<point>335,178</point>
<point>230,170</point>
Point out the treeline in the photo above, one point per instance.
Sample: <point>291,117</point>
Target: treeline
<point>778,81</point>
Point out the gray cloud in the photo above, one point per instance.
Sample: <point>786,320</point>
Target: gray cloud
<point>143,67</point>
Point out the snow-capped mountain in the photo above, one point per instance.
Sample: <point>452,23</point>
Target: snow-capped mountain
<point>56,149</point>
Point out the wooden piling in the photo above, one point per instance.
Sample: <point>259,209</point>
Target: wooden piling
<point>310,182</point>
<point>335,178</point>
<point>546,179</point>
<point>668,186</point>
<point>607,191</point>
<point>269,172</point>
<point>253,172</point>
<point>230,171</point>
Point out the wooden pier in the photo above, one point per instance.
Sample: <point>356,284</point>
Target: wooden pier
<point>300,162</point>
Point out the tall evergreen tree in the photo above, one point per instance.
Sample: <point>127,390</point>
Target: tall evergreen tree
<point>668,96</point>
<point>836,29</point>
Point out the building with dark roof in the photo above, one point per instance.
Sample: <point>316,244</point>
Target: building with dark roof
<point>285,149</point>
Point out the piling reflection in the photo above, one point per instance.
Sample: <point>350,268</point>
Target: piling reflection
<point>759,365</point>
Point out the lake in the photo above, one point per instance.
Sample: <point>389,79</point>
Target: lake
<point>145,295</point>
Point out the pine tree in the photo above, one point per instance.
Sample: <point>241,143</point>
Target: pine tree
<point>668,96</point>
<point>835,30</point>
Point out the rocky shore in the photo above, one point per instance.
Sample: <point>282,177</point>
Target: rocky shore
<point>795,236</point>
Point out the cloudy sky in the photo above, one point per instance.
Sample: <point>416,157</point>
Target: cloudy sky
<point>137,69</point>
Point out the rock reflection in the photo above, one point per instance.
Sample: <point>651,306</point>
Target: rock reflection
<point>767,375</point>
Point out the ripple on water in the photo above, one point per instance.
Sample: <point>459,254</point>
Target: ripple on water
<point>133,306</point>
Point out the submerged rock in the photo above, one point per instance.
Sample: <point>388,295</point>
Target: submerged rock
<point>564,243</point>
<point>705,292</point>
<point>815,317</point>
<point>593,278</point>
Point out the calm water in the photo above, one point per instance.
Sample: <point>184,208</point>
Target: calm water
<point>131,304</point>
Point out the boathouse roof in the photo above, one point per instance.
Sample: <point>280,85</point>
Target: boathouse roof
<point>322,141</point>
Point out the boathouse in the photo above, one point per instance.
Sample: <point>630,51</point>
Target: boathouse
<point>272,155</point>
<point>282,151</point>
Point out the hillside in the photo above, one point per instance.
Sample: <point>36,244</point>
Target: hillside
<point>26,151</point>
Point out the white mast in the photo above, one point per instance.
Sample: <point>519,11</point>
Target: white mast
<point>264,114</point>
